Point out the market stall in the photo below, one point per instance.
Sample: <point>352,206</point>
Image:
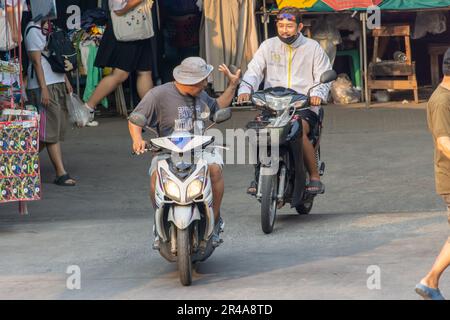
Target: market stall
<point>19,128</point>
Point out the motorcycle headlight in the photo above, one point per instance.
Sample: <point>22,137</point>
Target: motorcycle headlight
<point>170,187</point>
<point>195,188</point>
<point>278,104</point>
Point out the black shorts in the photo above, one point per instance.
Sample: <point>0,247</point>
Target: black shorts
<point>127,56</point>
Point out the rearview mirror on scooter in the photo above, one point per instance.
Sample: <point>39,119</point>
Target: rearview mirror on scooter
<point>328,76</point>
<point>222,115</point>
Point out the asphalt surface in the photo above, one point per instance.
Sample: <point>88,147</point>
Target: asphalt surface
<point>380,209</point>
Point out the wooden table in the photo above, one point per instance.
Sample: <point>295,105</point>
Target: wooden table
<point>435,50</point>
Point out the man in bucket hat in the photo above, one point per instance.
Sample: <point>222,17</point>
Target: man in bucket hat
<point>174,101</point>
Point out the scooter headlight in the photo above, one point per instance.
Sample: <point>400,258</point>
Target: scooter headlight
<point>277,103</point>
<point>195,188</point>
<point>170,187</point>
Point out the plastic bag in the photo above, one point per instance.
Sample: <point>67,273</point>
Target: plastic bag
<point>78,114</point>
<point>343,92</point>
<point>43,9</point>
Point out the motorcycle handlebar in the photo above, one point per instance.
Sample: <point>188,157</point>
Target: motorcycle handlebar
<point>149,148</point>
<point>242,104</point>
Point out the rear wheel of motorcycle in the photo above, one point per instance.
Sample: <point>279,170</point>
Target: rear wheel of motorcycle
<point>184,256</point>
<point>304,208</point>
<point>269,190</point>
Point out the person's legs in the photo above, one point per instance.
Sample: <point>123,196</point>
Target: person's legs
<point>106,86</point>
<point>218,187</point>
<point>55,154</point>
<point>442,262</point>
<point>42,146</point>
<point>309,154</point>
<point>144,82</point>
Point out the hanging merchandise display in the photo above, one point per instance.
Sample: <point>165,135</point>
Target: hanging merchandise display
<point>6,38</point>
<point>19,135</point>
<point>19,154</point>
<point>10,92</point>
<point>228,35</point>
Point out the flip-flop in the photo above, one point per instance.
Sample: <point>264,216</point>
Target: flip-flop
<point>317,185</point>
<point>62,181</point>
<point>252,187</point>
<point>428,293</point>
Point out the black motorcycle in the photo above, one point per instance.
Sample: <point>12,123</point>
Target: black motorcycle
<point>280,174</point>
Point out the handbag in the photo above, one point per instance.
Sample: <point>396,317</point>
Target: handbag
<point>6,41</point>
<point>136,24</point>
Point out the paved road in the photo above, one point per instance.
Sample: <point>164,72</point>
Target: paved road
<point>380,210</point>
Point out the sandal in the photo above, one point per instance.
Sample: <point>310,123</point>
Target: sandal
<point>428,293</point>
<point>252,189</point>
<point>315,187</point>
<point>63,181</point>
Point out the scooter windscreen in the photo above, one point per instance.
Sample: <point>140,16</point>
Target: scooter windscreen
<point>279,98</point>
<point>182,144</point>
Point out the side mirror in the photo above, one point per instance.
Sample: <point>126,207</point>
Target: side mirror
<point>222,115</point>
<point>328,76</point>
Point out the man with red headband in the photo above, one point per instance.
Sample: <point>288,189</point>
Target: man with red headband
<point>292,61</point>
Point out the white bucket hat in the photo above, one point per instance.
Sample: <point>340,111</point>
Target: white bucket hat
<point>192,70</point>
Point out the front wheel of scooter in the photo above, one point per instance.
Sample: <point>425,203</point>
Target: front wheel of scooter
<point>184,256</point>
<point>269,190</point>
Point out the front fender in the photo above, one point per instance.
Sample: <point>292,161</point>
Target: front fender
<point>183,216</point>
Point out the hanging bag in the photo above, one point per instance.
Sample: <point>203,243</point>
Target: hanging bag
<point>136,24</point>
<point>6,41</point>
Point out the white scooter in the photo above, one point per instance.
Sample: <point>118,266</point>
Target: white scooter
<point>184,217</point>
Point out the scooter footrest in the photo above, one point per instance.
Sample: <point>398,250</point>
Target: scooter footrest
<point>322,169</point>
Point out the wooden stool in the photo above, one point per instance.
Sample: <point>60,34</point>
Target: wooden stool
<point>435,50</point>
<point>393,68</point>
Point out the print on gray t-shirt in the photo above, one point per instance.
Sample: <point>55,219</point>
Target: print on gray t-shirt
<point>164,104</point>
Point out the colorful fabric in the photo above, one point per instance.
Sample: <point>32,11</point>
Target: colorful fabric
<point>296,3</point>
<point>94,76</point>
<point>336,5</point>
<point>349,4</point>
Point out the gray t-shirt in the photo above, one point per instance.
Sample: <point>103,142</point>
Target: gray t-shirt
<point>164,104</point>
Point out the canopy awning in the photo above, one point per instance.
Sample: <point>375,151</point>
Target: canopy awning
<point>340,5</point>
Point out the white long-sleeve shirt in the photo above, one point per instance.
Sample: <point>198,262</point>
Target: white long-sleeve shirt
<point>297,66</point>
